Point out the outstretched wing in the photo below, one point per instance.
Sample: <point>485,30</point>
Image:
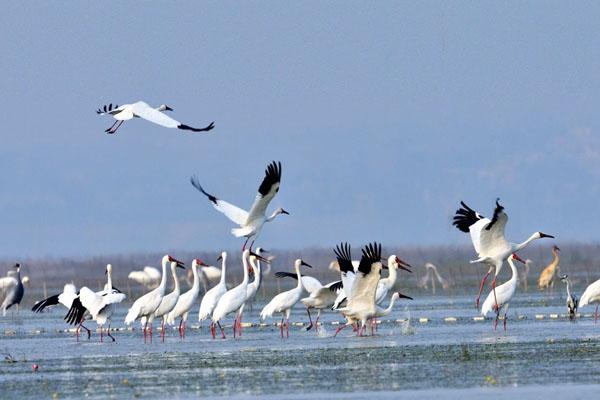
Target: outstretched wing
<point>108,109</point>
<point>266,191</point>
<point>143,110</point>
<point>484,232</point>
<point>232,212</point>
<point>40,305</point>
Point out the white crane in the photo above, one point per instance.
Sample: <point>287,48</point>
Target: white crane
<point>253,286</point>
<point>187,300</point>
<point>284,301</point>
<point>488,239</point>
<point>65,298</point>
<point>382,312</point>
<point>503,294</point>
<point>251,222</point>
<point>361,305</point>
<point>146,305</point>
<point>98,304</point>
<point>320,296</point>
<point>233,299</point>
<point>142,110</point>
<point>348,269</point>
<point>211,298</point>
<point>148,276</point>
<point>168,302</point>
<point>591,295</point>
<point>572,302</point>
<point>386,284</point>
<point>12,286</point>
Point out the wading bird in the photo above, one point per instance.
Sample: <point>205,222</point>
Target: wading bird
<point>284,301</point>
<point>432,276</point>
<point>382,312</point>
<point>211,298</point>
<point>320,296</point>
<point>251,222</point>
<point>142,110</point>
<point>386,284</point>
<point>548,275</point>
<point>488,239</point>
<point>253,286</point>
<point>361,305</point>
<point>572,301</point>
<point>146,305</point>
<point>65,298</point>
<point>233,299</point>
<point>98,304</point>
<point>503,294</point>
<point>13,290</point>
<point>168,302</point>
<point>591,295</point>
<point>187,300</point>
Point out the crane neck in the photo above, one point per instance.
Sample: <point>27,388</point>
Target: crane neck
<point>257,273</point>
<point>555,257</point>
<point>196,284</point>
<point>568,288</point>
<point>108,280</point>
<point>513,268</point>
<point>223,269</point>
<point>175,280</point>
<point>163,278</point>
<point>297,267</point>
<point>392,274</point>
<point>524,244</point>
<point>245,266</point>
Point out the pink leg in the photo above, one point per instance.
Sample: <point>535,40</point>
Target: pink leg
<point>281,328</point>
<point>162,331</point>
<point>287,327</point>
<point>222,331</point>
<point>310,323</point>
<point>145,327</point>
<point>109,129</point>
<point>504,322</point>
<point>240,325</point>
<point>481,288</point>
<point>496,307</point>
<point>213,330</point>
<point>108,333</point>
<point>180,331</point>
<point>101,334</point>
<point>115,129</point>
<point>245,243</point>
<point>339,329</point>
<point>496,322</point>
<point>150,332</point>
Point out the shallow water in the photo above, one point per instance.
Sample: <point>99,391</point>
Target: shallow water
<point>463,359</point>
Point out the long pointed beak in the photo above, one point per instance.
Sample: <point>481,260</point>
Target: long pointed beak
<point>544,235</point>
<point>260,257</point>
<point>305,264</point>
<point>516,257</point>
<point>285,212</point>
<point>403,296</point>
<point>219,258</point>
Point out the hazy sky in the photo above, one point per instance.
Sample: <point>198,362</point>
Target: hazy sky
<point>384,115</point>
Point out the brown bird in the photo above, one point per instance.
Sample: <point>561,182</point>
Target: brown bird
<point>549,273</point>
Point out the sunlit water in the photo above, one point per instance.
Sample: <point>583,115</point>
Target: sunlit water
<point>553,358</point>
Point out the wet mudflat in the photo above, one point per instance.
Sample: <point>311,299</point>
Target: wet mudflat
<point>552,357</point>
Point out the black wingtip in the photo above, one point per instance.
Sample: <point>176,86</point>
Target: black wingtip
<point>196,183</point>
<point>190,128</point>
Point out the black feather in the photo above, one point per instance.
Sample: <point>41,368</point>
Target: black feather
<point>371,253</point>
<point>336,286</point>
<point>75,314</point>
<point>344,258</point>
<point>195,183</point>
<point>40,305</point>
<point>282,274</point>
<point>189,128</point>
<point>465,217</point>
<point>272,177</point>
<point>497,212</point>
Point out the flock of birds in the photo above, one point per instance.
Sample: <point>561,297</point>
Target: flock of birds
<point>357,295</point>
